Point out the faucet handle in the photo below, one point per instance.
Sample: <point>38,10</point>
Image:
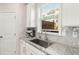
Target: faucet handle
<point>39,37</point>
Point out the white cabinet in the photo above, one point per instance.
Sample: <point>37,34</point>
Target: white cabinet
<point>28,49</point>
<point>33,50</point>
<point>70,14</point>
<point>22,47</point>
<point>30,15</point>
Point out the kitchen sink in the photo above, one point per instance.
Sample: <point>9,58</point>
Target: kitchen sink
<point>42,43</point>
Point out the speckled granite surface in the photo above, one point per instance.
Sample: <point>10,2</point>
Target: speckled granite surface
<point>56,48</point>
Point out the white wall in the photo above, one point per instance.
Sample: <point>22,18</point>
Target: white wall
<point>20,10</point>
<point>70,14</point>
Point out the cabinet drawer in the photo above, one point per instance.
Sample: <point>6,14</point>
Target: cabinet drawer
<point>34,50</point>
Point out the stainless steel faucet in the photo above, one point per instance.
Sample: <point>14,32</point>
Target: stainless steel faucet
<point>46,38</point>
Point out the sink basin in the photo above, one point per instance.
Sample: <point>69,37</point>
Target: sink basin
<point>41,43</point>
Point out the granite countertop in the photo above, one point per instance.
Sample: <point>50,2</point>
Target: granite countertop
<point>27,40</point>
<point>55,48</point>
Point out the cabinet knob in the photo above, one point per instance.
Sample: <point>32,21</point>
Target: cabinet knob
<point>31,54</point>
<point>1,36</point>
<point>15,51</point>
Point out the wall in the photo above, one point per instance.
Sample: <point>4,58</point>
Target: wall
<point>20,10</point>
<point>70,14</point>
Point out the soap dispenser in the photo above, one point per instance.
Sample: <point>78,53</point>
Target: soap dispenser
<point>74,32</point>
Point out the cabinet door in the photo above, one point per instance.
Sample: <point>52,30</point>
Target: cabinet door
<point>31,11</point>
<point>22,47</point>
<point>33,51</point>
<point>28,49</point>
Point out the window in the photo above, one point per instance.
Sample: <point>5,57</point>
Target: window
<point>49,18</point>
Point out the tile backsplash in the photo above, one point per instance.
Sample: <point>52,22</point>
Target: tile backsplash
<point>70,31</point>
